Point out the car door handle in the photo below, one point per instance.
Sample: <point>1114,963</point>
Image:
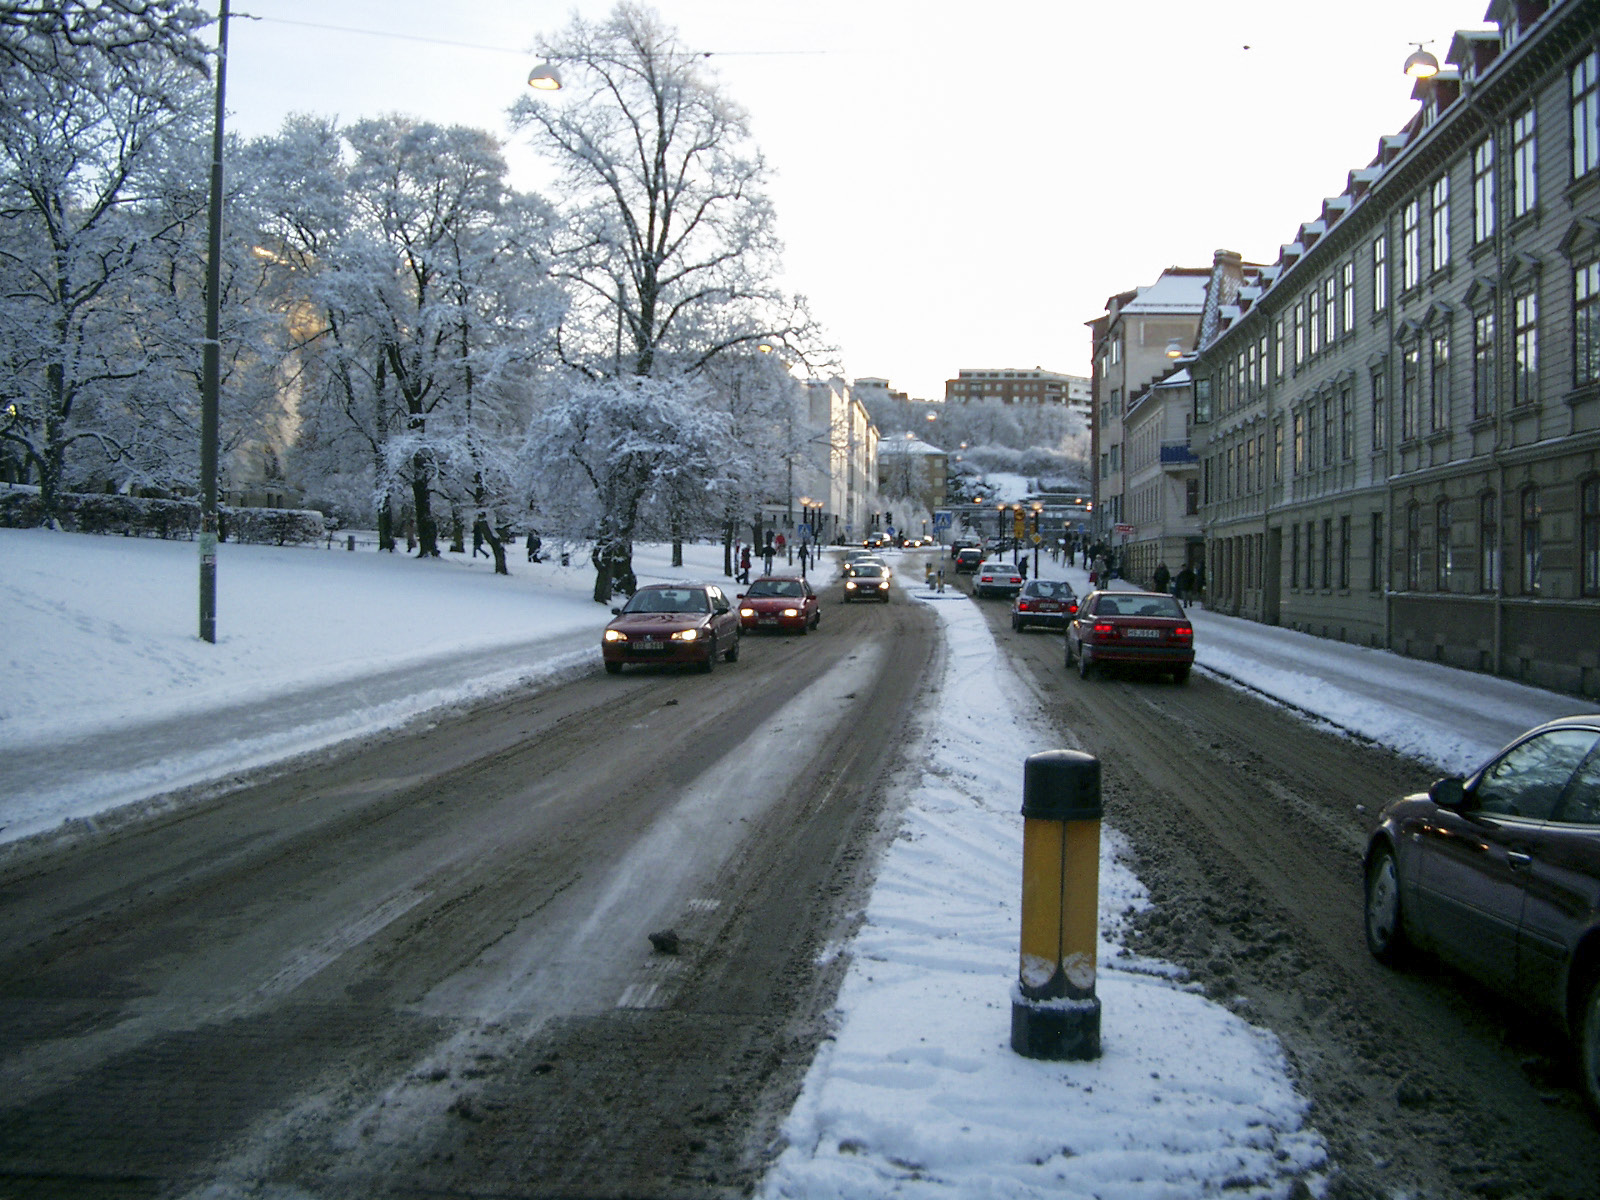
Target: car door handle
<point>1519,858</point>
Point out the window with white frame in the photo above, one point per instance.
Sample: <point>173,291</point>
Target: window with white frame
<point>1485,365</point>
<point>1586,322</point>
<point>1410,245</point>
<point>1586,115</point>
<point>1483,198</point>
<point>1488,543</point>
<point>1380,273</point>
<point>1330,310</point>
<point>1524,163</point>
<point>1439,207</point>
<point>1347,293</point>
<point>1525,348</point>
<point>1439,382</point>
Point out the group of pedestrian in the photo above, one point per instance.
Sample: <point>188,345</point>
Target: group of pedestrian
<point>1185,586</point>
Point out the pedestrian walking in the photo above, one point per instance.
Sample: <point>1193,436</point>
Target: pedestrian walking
<point>767,553</point>
<point>805,557</point>
<point>1185,584</point>
<point>535,544</point>
<point>1162,577</point>
<point>1097,572</point>
<point>477,536</point>
<point>744,564</point>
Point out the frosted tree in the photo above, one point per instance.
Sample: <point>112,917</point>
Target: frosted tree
<point>667,239</point>
<point>428,308</point>
<point>78,239</point>
<point>604,449</point>
<point>94,43</point>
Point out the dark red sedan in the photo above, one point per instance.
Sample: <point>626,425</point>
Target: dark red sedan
<point>780,602</point>
<point>1145,630</point>
<point>1047,602</point>
<point>1499,875</point>
<point>682,623</point>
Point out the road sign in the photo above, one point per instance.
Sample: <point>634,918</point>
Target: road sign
<point>941,519</point>
<point>1124,530</point>
<point>805,529</point>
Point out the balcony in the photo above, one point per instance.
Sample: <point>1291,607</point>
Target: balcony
<point>1177,454</point>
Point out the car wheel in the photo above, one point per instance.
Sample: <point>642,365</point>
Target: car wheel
<point>733,651</point>
<point>613,668</point>
<point>1181,676</point>
<point>1386,935</point>
<point>1016,625</point>
<point>710,663</point>
<point>1588,1037</point>
<point>1085,668</point>
<point>1067,662</point>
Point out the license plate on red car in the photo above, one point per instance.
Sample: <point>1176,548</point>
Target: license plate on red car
<point>648,645</point>
<point>1143,633</point>
<point>766,620</point>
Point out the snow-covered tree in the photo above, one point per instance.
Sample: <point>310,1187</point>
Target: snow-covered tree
<point>667,240</point>
<point>427,307</point>
<point>605,448</point>
<point>81,226</point>
<point>93,43</point>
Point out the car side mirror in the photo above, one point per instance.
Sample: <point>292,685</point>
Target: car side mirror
<point>740,596</point>
<point>1448,793</point>
<point>616,612</point>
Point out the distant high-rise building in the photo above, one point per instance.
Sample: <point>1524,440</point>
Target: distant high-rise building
<point>1014,386</point>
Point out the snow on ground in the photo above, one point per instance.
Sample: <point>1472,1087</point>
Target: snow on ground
<point>918,1094</point>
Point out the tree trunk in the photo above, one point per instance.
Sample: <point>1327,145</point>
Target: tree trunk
<point>496,546</point>
<point>386,525</point>
<point>427,531</point>
<point>727,549</point>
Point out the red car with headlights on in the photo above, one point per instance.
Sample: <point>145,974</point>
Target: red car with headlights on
<point>780,602</point>
<point>1047,602</point>
<point>1146,630</point>
<point>680,623</point>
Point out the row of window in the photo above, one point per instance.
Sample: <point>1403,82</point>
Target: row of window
<point>1320,551</point>
<point>1327,311</point>
<point>1323,428</point>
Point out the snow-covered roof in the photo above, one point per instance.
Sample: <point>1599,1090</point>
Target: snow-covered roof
<point>890,444</point>
<point>1174,292</point>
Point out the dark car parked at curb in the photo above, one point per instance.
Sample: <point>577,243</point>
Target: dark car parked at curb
<point>1144,630</point>
<point>867,581</point>
<point>1047,602</point>
<point>678,623</point>
<point>780,602</point>
<point>967,559</point>
<point>1498,875</point>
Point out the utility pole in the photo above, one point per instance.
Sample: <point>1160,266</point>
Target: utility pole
<point>211,383</point>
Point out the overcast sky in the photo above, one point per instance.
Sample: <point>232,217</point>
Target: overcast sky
<point>957,184</point>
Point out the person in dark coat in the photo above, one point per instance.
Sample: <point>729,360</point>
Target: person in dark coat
<point>744,565</point>
<point>1185,584</point>
<point>1162,578</point>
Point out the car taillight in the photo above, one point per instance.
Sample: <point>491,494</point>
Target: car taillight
<point>1184,633</point>
<point>1022,606</point>
<point>1104,629</point>
<point>1072,610</point>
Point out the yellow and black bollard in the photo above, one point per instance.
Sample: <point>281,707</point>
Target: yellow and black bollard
<point>1054,1011</point>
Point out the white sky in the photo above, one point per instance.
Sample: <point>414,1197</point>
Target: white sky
<point>958,185</point>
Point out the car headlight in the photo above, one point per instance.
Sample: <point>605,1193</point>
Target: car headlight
<point>747,612</point>
<point>615,635</point>
<point>850,585</point>
<point>686,635</point>
<point>884,586</point>
<point>791,612</point>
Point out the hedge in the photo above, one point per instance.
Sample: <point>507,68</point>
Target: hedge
<point>134,516</point>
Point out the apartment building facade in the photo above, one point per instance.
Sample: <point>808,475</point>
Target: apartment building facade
<point>1398,422</point>
<point>1135,343</point>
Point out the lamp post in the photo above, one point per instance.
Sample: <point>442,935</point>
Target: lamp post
<point>1038,512</point>
<point>211,351</point>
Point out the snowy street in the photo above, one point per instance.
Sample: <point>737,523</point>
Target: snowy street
<point>428,877</point>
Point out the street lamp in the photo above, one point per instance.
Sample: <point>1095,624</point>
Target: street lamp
<point>544,78</point>
<point>1420,64</point>
<point>1038,512</point>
